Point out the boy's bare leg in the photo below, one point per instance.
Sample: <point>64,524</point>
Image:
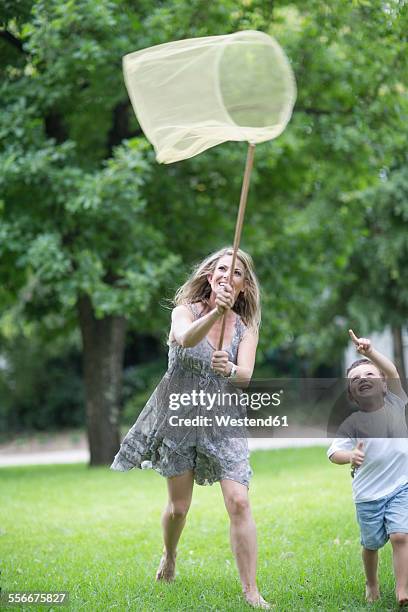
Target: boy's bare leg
<point>243,539</point>
<point>399,543</point>
<point>180,489</point>
<point>370,560</point>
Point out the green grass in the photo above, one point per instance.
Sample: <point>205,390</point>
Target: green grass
<point>96,533</point>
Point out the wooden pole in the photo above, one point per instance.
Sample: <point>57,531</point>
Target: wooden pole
<point>239,224</point>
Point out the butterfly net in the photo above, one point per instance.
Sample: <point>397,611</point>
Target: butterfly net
<point>190,95</point>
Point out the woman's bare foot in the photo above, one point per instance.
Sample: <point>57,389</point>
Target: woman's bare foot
<point>372,593</point>
<point>255,599</point>
<point>402,598</point>
<point>167,568</point>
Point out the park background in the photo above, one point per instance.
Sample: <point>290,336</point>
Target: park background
<point>95,237</point>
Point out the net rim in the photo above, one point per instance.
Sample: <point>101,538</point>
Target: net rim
<point>132,61</point>
<point>178,46</point>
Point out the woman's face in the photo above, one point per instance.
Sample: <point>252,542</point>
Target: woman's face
<point>221,275</point>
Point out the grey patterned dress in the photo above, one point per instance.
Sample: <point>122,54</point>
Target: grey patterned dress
<point>212,451</point>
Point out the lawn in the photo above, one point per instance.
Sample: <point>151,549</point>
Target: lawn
<point>96,533</point>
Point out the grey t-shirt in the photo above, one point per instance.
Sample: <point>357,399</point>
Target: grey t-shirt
<point>385,465</point>
<point>386,422</point>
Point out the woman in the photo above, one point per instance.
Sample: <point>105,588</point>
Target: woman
<point>206,454</point>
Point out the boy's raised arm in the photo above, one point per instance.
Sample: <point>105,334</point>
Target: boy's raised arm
<point>364,347</point>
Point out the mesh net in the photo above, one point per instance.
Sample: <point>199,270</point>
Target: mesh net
<point>190,95</point>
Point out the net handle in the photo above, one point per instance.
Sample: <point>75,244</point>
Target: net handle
<point>239,223</point>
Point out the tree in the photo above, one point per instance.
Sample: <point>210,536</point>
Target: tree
<point>76,240</point>
<point>92,228</point>
<point>367,46</point>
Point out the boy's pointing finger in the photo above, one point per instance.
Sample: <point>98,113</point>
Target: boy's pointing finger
<point>353,337</point>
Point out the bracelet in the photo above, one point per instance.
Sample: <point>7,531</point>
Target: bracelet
<point>234,372</point>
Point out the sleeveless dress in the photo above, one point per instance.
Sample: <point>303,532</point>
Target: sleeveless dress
<point>211,450</point>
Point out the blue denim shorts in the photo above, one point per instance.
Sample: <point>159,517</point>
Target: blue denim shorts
<point>381,517</point>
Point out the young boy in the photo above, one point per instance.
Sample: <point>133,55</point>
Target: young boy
<point>375,441</point>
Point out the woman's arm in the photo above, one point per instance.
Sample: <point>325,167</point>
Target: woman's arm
<point>246,357</point>
<point>188,332</point>
<point>245,360</point>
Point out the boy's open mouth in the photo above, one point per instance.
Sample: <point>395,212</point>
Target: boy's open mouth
<point>364,386</point>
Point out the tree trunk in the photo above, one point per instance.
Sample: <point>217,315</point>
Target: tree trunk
<point>398,348</point>
<point>103,349</point>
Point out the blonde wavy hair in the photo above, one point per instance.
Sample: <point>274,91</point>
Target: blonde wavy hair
<point>198,289</point>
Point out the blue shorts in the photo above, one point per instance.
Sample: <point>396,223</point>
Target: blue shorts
<point>381,517</point>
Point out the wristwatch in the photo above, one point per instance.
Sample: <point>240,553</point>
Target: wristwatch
<point>234,372</point>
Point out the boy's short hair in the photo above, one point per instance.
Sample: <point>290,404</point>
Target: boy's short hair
<point>354,365</point>
<point>363,360</point>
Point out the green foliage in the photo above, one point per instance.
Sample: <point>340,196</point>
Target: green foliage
<point>139,382</point>
<point>86,209</point>
<point>380,254</point>
<point>40,387</point>
<point>72,222</point>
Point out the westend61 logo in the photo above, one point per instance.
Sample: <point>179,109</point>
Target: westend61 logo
<point>255,401</point>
